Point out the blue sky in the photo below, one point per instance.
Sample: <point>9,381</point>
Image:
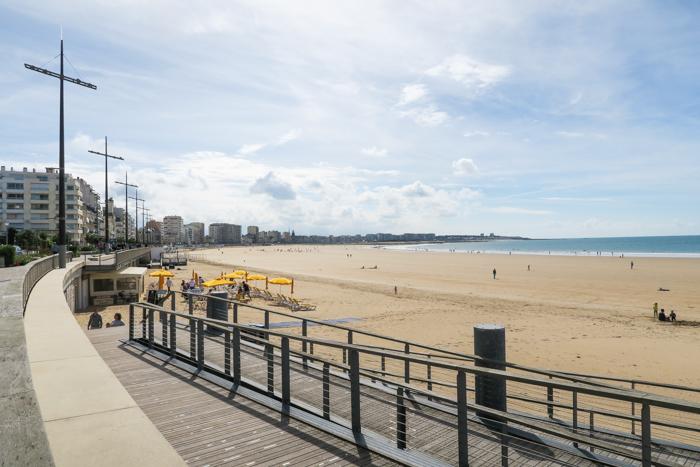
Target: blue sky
<point>540,118</point>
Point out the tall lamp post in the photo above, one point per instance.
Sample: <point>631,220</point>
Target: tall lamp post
<point>61,157</point>
<point>137,199</point>
<point>143,210</point>
<point>106,156</point>
<point>126,218</point>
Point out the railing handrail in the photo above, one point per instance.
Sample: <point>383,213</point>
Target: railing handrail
<point>542,371</point>
<point>30,279</point>
<point>623,394</point>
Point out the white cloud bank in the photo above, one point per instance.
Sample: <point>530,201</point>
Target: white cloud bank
<point>470,72</point>
<point>465,167</point>
<point>375,152</point>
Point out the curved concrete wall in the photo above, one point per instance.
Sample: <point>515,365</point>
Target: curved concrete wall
<point>23,440</point>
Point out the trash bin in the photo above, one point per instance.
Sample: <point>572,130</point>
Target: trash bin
<point>217,309</point>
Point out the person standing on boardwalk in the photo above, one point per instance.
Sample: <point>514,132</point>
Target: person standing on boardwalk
<point>656,310</point>
<point>494,273</point>
<point>95,321</point>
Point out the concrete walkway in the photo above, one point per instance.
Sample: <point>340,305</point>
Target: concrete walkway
<point>90,418</point>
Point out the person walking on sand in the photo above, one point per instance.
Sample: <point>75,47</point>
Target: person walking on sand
<point>656,310</point>
<point>396,290</point>
<point>631,264</point>
<point>494,273</point>
<point>169,284</point>
<point>672,316</point>
<point>528,267</point>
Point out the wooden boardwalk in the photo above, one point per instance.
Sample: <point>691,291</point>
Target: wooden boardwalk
<point>210,426</point>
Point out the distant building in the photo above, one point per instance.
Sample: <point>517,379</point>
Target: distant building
<point>491,234</point>
<point>225,233</point>
<point>172,229</point>
<point>194,233</point>
<point>253,230</point>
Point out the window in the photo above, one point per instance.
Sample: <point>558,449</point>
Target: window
<point>70,206</point>
<point>18,177</point>
<point>70,198</point>
<point>19,217</point>
<point>103,285</point>
<point>15,186</point>
<point>43,179</point>
<point>15,196</point>
<point>43,207</point>
<point>40,197</point>
<point>39,186</point>
<point>15,205</point>
<point>128,283</point>
<point>70,226</point>
<point>70,188</point>
<point>37,217</point>
<point>71,216</point>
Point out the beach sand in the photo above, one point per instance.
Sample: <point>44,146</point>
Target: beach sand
<point>582,314</point>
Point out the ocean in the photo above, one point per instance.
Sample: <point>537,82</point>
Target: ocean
<point>670,247</point>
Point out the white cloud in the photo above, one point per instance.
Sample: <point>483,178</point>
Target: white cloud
<point>412,93</point>
<point>570,134</point>
<point>373,151</point>
<point>512,210</point>
<point>248,149</point>
<point>469,134</point>
<point>427,116</point>
<point>473,74</point>
<point>464,167</point>
<point>273,187</point>
<point>292,135</point>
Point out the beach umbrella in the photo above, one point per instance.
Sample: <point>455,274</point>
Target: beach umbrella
<point>256,277</point>
<point>161,274</point>
<point>232,276</point>
<point>283,281</point>
<point>217,282</point>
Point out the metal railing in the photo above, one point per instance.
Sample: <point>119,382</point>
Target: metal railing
<point>362,387</point>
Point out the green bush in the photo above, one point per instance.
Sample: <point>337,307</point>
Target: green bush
<point>87,248</point>
<point>8,252</point>
<point>24,259</point>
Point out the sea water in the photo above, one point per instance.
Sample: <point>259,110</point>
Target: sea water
<point>677,246</point>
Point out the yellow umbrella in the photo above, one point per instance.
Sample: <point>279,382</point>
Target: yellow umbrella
<point>256,277</point>
<point>241,272</point>
<point>232,276</point>
<point>283,281</point>
<point>217,282</point>
<point>161,274</point>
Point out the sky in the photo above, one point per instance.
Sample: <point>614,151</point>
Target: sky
<point>544,119</point>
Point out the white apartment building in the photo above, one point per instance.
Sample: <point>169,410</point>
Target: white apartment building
<point>172,229</point>
<point>225,233</point>
<point>93,223</point>
<point>253,230</point>
<point>30,201</point>
<point>194,233</point>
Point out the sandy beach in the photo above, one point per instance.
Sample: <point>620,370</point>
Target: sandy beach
<point>583,314</point>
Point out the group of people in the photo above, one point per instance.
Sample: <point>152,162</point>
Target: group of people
<point>662,314</point>
<point>95,321</point>
<point>185,286</point>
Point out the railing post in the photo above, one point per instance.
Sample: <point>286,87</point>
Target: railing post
<point>173,334</point>
<point>429,377</point>
<point>193,339</point>
<point>345,359</point>
<point>504,442</point>
<point>326,391</point>
<point>164,328</point>
<point>383,365</point>
<point>304,332</point>
<point>200,345</point>
<point>574,413</point>
<point>354,357</point>
<point>267,324</point>
<point>407,366</point>
<point>144,323</point>
<point>172,301</point>
<point>633,423</point>
<point>400,419</point>
<point>270,354</point>
<point>591,427</point>
<point>150,328</point>
<point>227,353</point>
<point>131,322</point>
<point>646,435</point>
<point>550,398</point>
<point>191,303</point>
<point>286,385</point>
<point>462,435</point>
<point>235,313</point>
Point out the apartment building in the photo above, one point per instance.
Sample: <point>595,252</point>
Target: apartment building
<point>194,233</point>
<point>30,201</point>
<point>172,229</point>
<point>225,233</point>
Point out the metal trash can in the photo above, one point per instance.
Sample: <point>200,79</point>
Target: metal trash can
<point>217,309</point>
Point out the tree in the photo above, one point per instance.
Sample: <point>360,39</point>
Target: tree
<point>11,232</point>
<point>91,239</point>
<point>27,238</point>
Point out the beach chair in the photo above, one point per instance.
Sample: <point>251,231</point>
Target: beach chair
<point>303,306</point>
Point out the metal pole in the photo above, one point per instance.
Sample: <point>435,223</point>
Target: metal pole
<point>407,366</point>
<point>646,435</point>
<point>150,328</point>
<point>304,331</point>
<point>173,333</point>
<point>462,434</point>
<point>354,357</point>
<point>106,203</point>
<point>131,322</point>
<point>574,415</point>
<point>270,353</point>
<point>236,355</point>
<point>633,424</point>
<point>61,182</point>
<point>400,419</point>
<point>326,391</point>
<point>200,345</point>
<point>227,353</point>
<point>490,343</point>
<point>286,389</point>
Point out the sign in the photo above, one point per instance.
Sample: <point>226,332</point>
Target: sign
<point>103,300</point>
